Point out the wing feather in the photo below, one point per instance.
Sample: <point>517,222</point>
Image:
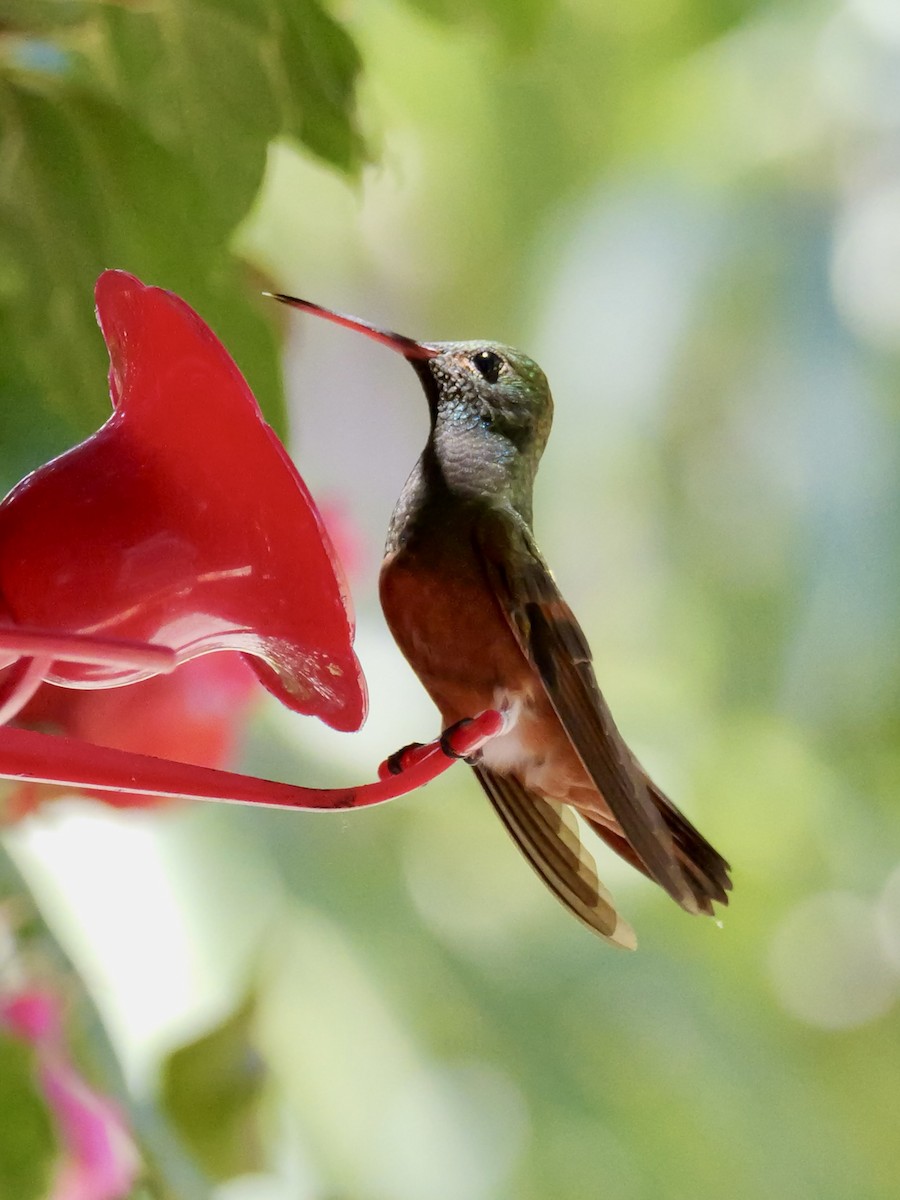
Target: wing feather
<point>547,836</point>
<point>554,643</point>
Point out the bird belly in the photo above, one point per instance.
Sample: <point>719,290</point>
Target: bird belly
<point>452,632</point>
<point>515,750</point>
<point>535,748</point>
<point>454,635</point>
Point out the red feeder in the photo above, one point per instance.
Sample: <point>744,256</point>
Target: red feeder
<point>181,523</point>
<point>180,528</point>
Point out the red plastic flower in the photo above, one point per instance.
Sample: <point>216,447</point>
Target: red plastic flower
<point>181,523</point>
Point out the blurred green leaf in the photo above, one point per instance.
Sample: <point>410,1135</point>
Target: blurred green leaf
<point>27,1140</point>
<point>317,66</point>
<point>517,24</point>
<point>32,15</point>
<point>139,140</point>
<point>212,1090</point>
<point>216,82</point>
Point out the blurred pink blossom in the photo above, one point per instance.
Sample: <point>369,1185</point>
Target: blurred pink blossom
<point>98,1158</point>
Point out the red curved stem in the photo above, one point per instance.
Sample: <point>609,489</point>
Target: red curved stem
<point>20,684</point>
<point>45,758</point>
<point>27,642</point>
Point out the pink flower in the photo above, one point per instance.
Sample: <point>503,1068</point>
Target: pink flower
<point>98,1160</point>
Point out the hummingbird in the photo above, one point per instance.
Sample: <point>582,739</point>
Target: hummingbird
<point>477,613</point>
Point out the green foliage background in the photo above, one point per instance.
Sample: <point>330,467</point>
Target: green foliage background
<point>687,211</point>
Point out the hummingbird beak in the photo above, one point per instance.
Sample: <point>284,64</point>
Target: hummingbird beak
<point>395,341</point>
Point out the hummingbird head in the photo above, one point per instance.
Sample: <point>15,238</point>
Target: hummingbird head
<point>490,407</point>
<point>491,412</point>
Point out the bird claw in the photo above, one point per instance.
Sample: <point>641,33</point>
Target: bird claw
<point>447,738</point>
<point>401,760</point>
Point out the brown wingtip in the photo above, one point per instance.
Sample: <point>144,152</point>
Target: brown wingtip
<point>399,342</point>
<point>705,872</point>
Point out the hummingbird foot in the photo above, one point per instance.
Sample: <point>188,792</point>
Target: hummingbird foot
<point>447,739</point>
<point>463,739</point>
<point>401,760</point>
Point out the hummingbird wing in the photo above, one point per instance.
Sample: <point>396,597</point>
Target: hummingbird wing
<point>547,834</point>
<point>553,642</point>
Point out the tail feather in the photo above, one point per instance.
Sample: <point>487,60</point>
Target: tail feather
<point>704,869</point>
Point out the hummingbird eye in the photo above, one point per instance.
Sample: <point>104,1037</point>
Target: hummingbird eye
<point>487,364</point>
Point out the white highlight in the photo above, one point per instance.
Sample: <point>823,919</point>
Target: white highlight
<point>507,751</point>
